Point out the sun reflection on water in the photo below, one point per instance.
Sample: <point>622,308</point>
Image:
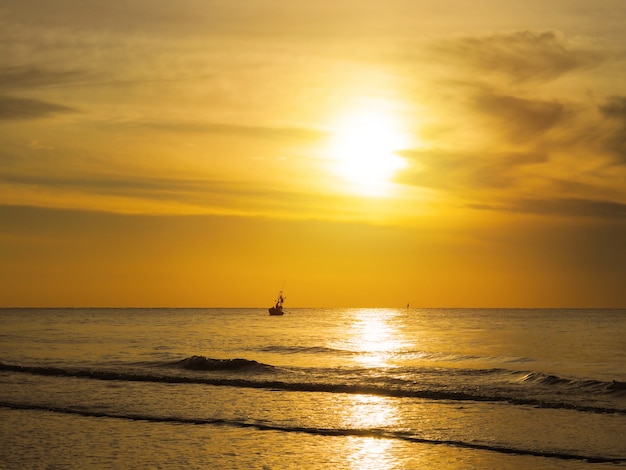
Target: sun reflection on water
<point>370,412</point>
<point>375,336</point>
<point>371,453</point>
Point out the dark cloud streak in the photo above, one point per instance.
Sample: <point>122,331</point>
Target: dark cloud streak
<point>522,55</point>
<point>29,77</point>
<point>26,108</point>
<point>222,128</point>
<point>570,207</point>
<point>615,110</point>
<point>522,119</point>
<point>207,193</point>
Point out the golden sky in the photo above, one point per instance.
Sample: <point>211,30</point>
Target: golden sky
<point>351,152</point>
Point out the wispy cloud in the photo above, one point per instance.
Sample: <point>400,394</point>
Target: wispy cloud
<point>512,139</point>
<point>20,78</point>
<point>30,77</point>
<point>570,207</point>
<point>230,129</point>
<point>27,108</point>
<point>522,55</point>
<point>520,118</point>
<point>465,171</point>
<point>615,110</point>
<point>174,194</point>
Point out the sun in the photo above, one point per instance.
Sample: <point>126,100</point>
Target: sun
<point>364,148</point>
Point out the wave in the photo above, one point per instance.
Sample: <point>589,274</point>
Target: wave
<point>209,364</point>
<point>615,385</point>
<point>544,379</point>
<point>411,354</point>
<point>282,349</point>
<point>387,388</point>
<point>338,432</point>
<point>550,380</point>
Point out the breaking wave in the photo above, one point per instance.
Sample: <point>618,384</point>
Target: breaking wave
<point>550,380</point>
<point>208,364</point>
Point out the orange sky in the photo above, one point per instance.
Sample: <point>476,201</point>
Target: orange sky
<point>355,153</point>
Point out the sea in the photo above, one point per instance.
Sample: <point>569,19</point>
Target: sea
<point>341,388</point>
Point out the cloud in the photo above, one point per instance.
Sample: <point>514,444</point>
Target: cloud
<point>120,185</point>
<point>26,108</point>
<point>202,195</point>
<point>522,55</point>
<point>522,119</point>
<point>615,110</point>
<point>570,207</point>
<point>233,129</point>
<point>459,171</point>
<point>29,77</point>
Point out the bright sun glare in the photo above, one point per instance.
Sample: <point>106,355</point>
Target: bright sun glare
<point>363,149</point>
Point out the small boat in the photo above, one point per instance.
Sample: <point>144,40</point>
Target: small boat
<point>277,309</point>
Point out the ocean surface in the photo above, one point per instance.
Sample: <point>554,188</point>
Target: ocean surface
<point>315,388</point>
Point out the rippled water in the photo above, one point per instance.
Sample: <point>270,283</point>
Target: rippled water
<point>337,388</point>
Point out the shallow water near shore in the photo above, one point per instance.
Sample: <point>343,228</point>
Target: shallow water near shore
<point>334,388</point>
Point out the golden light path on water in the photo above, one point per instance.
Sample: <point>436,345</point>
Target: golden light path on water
<point>372,453</point>
<point>374,333</point>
